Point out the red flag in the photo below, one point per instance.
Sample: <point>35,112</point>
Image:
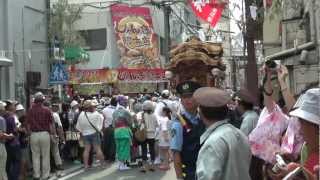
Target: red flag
<point>209,11</point>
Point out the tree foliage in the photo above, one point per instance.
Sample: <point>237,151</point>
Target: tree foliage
<point>63,17</point>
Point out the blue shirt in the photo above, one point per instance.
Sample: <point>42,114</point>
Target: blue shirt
<point>176,131</point>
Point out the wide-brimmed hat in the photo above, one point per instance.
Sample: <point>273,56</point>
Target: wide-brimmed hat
<point>87,104</point>
<point>308,107</point>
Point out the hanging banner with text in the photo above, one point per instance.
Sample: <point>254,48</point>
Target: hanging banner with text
<point>141,75</point>
<point>137,43</point>
<point>208,10</point>
<point>93,76</point>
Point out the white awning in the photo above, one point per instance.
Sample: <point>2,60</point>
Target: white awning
<point>5,61</point>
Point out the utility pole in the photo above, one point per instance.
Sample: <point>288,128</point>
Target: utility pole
<point>251,69</point>
<point>166,12</point>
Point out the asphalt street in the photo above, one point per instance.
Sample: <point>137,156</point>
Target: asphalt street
<point>112,173</point>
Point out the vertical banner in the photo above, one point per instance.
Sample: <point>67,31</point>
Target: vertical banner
<point>136,40</point>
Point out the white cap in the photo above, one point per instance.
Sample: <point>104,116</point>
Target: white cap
<point>19,107</point>
<point>73,103</point>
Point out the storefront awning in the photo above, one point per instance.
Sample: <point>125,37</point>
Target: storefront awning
<point>74,55</point>
<point>5,61</point>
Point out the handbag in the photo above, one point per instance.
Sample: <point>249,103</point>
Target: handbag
<point>141,132</point>
<point>72,136</point>
<point>99,132</point>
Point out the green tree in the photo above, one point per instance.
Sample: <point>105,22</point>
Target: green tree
<point>63,17</point>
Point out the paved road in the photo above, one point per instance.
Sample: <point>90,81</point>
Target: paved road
<point>111,173</point>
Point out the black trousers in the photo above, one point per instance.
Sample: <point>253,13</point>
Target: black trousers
<point>109,145</point>
<point>148,144</point>
<point>13,162</point>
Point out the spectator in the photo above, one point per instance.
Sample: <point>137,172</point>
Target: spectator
<point>108,132</point>
<point>150,121</point>
<point>123,137</point>
<point>90,124</point>
<point>24,142</point>
<point>40,125</point>
<point>245,107</point>
<point>3,137</point>
<point>59,137</point>
<point>309,116</point>
<point>164,137</point>
<point>225,150</point>
<point>13,147</point>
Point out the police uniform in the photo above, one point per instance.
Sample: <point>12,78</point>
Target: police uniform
<point>225,151</point>
<point>186,130</point>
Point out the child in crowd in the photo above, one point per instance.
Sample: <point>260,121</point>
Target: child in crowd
<point>123,137</point>
<point>164,142</point>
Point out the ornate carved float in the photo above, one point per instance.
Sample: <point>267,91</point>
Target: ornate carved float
<point>198,61</point>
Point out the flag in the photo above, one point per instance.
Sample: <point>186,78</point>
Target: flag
<point>207,10</point>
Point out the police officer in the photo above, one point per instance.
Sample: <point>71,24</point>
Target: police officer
<point>186,130</point>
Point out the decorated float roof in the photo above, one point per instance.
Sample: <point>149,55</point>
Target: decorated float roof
<point>194,51</point>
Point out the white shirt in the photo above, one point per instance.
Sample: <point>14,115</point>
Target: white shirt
<point>56,118</point>
<point>107,113</point>
<point>84,126</point>
<point>160,105</point>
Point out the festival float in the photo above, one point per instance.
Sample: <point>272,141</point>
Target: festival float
<point>196,61</point>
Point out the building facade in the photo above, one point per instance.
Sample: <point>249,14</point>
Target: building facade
<point>23,40</point>
<point>300,28</point>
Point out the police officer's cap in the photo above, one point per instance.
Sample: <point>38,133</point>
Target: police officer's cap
<point>187,87</point>
<point>211,97</point>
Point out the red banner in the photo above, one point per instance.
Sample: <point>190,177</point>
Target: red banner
<point>136,40</point>
<point>208,10</point>
<point>141,75</point>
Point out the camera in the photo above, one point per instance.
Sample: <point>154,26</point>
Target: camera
<point>271,64</point>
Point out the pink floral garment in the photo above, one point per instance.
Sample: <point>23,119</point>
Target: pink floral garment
<point>292,140</point>
<point>265,139</point>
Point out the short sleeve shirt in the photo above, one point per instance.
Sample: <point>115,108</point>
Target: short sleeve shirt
<point>56,118</point>
<point>176,131</point>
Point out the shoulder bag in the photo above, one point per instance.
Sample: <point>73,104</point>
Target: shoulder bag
<point>141,132</point>
<point>99,132</point>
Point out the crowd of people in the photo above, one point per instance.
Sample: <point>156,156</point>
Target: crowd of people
<point>208,133</point>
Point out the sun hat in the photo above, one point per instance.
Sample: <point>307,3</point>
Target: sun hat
<point>2,105</point>
<point>19,107</point>
<point>309,106</point>
<point>74,103</point>
<point>87,103</point>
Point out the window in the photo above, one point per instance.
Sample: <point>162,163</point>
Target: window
<point>95,39</point>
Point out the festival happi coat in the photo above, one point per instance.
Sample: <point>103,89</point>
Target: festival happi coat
<point>197,61</point>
